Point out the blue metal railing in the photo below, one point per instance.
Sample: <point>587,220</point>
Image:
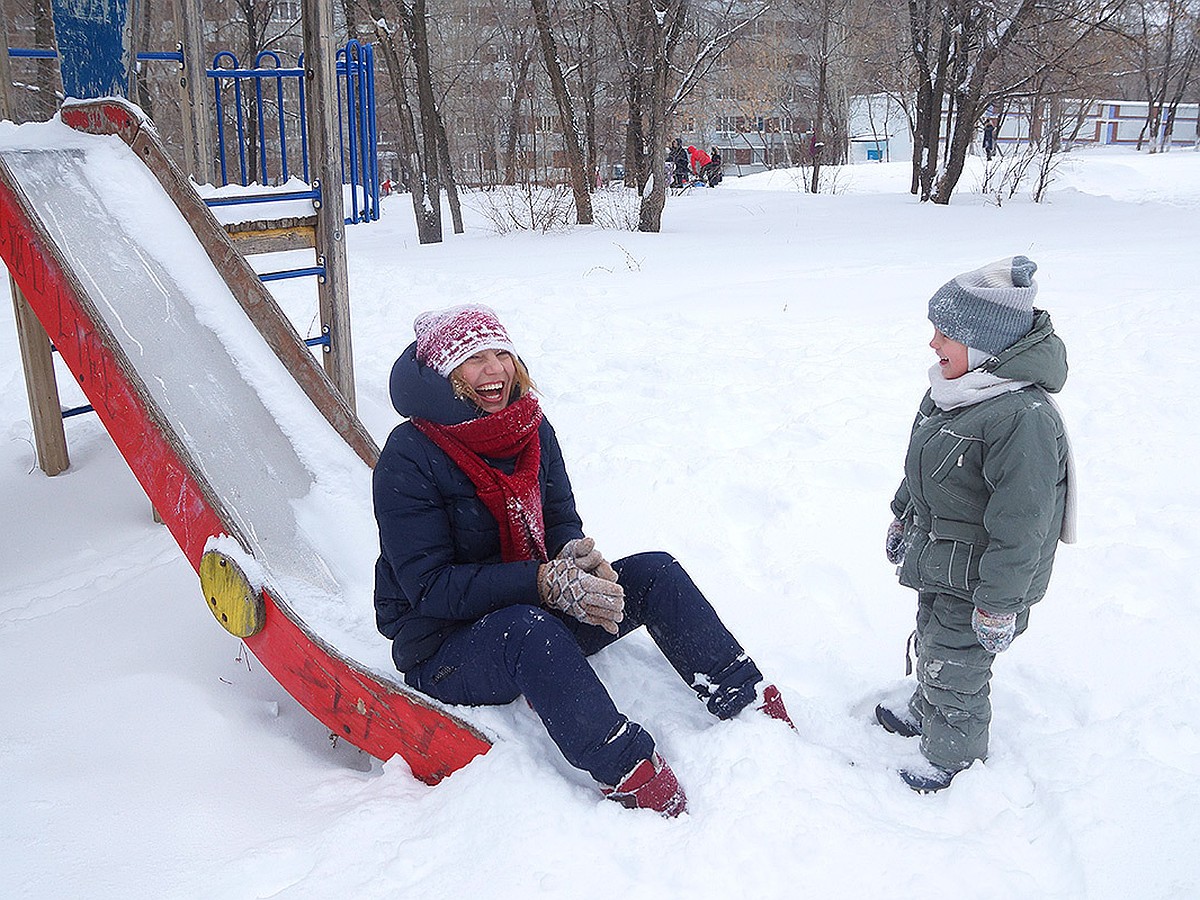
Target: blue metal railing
<point>356,122</point>
<point>274,86</point>
<point>234,76</point>
<point>314,195</point>
<point>20,53</point>
<point>26,53</point>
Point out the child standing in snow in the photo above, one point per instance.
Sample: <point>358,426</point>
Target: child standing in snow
<point>487,586</point>
<point>987,494</point>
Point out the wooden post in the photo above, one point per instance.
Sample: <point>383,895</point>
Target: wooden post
<point>333,291</point>
<point>6,104</point>
<point>49,437</point>
<point>50,440</point>
<point>194,87</point>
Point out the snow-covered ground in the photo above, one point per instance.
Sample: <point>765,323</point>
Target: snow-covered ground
<point>738,390</point>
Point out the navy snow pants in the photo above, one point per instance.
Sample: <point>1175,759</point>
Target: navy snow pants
<point>530,650</point>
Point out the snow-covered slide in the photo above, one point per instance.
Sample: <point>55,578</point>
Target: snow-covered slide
<point>249,455</point>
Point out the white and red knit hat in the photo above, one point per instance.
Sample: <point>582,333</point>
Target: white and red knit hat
<point>446,337</point>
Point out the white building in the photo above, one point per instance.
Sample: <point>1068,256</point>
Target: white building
<point>880,130</point>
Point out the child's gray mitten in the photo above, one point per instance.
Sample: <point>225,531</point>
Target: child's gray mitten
<point>563,585</point>
<point>893,546</point>
<point>995,631</point>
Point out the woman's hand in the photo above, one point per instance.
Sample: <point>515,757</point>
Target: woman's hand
<point>563,585</point>
<point>587,557</point>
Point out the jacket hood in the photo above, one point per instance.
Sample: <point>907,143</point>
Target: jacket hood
<point>419,391</point>
<point>1040,356</point>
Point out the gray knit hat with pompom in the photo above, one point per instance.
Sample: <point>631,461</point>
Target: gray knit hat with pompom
<point>990,308</point>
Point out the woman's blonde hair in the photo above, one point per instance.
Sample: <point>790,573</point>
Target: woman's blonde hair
<point>522,383</point>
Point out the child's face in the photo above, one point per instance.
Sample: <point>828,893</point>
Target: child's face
<point>952,356</point>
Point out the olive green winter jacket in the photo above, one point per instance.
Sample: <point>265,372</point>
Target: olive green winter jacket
<point>984,488</point>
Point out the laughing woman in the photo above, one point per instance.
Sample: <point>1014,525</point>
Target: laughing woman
<point>487,586</point>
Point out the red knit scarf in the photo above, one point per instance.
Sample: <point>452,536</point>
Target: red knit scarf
<point>515,500</point>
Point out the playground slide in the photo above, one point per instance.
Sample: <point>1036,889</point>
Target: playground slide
<point>248,454</point>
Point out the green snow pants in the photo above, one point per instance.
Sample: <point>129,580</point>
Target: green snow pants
<point>952,699</point>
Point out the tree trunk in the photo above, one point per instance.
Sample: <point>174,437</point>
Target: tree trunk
<point>350,11</point>
<point>410,157</point>
<point>659,31</point>
<point>513,133</point>
<point>415,28</point>
<point>252,49</point>
<point>141,84</point>
<point>447,163</point>
<point>587,91</point>
<point>931,89</point>
<point>45,102</point>
<point>817,144</point>
<point>629,30</point>
<point>1181,83</point>
<point>566,114</point>
<point>637,171</point>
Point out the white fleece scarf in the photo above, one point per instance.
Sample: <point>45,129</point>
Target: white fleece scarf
<point>967,390</point>
<point>975,387</point>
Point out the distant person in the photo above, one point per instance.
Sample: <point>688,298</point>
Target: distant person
<point>487,586</point>
<point>677,157</point>
<point>712,172</point>
<point>697,160</point>
<point>988,492</point>
<point>989,138</point>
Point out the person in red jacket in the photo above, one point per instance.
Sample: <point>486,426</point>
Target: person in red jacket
<point>698,159</point>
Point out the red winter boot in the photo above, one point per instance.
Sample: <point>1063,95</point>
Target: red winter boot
<point>651,785</point>
<point>772,705</point>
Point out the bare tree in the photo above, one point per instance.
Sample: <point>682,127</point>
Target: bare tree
<point>648,33</point>
<point>416,29</point>
<point>1166,35</point>
<point>413,166</point>
<point>660,28</point>
<point>830,23</point>
<point>512,132</point>
<point>35,90</point>
<point>572,141</point>
<point>930,33</point>
<point>956,45</point>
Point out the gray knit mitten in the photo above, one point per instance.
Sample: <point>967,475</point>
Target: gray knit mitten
<point>893,546</point>
<point>564,585</point>
<point>995,631</point>
<point>587,557</point>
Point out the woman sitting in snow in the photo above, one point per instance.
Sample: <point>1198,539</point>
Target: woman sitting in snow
<point>987,494</point>
<point>489,589</point>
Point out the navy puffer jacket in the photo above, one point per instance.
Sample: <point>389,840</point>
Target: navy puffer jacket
<point>439,565</point>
